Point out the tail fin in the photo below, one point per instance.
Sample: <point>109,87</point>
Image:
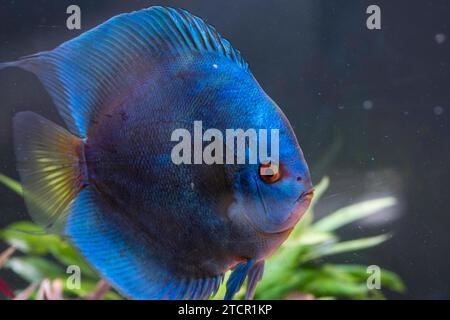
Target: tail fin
<point>52,169</point>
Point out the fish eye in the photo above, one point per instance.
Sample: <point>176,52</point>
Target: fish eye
<point>269,172</point>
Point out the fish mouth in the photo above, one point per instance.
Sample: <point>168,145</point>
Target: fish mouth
<point>306,195</point>
<point>301,204</point>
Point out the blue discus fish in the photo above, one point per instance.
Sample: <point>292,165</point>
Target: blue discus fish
<point>154,229</point>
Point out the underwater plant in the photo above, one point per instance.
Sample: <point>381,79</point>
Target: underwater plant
<point>295,271</point>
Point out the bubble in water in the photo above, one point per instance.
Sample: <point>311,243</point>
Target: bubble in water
<point>368,104</point>
<point>438,110</point>
<point>440,38</point>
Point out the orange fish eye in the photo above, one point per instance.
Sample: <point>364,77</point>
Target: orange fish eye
<point>269,172</point>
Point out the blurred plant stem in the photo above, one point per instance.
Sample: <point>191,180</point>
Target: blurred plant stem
<point>4,256</point>
<point>100,290</point>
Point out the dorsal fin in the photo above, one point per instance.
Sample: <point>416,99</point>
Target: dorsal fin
<point>96,68</point>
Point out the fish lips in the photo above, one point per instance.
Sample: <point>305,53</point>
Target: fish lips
<point>270,225</point>
<point>300,208</point>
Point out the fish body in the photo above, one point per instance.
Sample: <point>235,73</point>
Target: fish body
<point>153,228</point>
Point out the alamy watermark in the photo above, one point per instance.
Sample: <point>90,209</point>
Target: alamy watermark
<point>73,22</point>
<point>373,22</point>
<point>374,280</point>
<point>234,146</point>
<point>74,280</point>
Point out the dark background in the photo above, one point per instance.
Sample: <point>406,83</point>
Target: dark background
<point>371,108</point>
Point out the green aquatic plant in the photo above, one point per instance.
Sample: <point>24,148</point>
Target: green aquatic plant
<point>295,271</point>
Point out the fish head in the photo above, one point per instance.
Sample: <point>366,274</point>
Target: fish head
<point>272,197</point>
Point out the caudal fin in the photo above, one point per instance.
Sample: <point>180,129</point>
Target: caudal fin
<point>51,165</point>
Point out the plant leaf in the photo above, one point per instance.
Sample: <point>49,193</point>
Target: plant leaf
<point>11,184</point>
<point>35,269</point>
<point>68,255</point>
<point>28,238</point>
<point>345,246</point>
<point>352,213</point>
<point>330,286</point>
<point>310,237</point>
<point>388,278</point>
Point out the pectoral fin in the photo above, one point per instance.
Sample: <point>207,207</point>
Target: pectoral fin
<point>253,270</point>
